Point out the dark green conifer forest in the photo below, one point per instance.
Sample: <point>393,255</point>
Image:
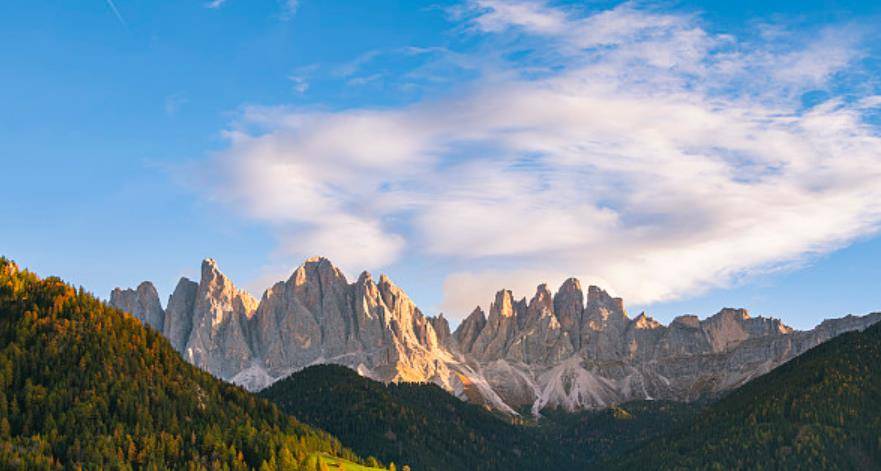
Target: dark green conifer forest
<point>821,410</point>
<point>417,424</point>
<point>86,386</point>
<point>83,385</point>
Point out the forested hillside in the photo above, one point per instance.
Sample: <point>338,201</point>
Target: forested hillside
<point>600,435</point>
<point>424,426</point>
<point>85,385</point>
<point>416,424</point>
<point>821,410</point>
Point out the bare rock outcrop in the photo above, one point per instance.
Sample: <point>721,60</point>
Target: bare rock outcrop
<point>219,338</point>
<point>142,303</point>
<point>558,350</point>
<point>179,313</point>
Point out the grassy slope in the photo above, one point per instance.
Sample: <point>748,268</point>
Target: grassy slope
<point>336,463</point>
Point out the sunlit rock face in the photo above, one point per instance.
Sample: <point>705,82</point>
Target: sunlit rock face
<point>317,316</point>
<point>569,349</point>
<point>208,322</point>
<point>219,340</point>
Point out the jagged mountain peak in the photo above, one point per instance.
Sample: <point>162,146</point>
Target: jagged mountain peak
<point>504,305</point>
<point>364,277</point>
<point>599,297</point>
<point>142,302</point>
<point>541,305</point>
<point>570,285</point>
<point>145,287</point>
<point>688,320</point>
<point>212,278</point>
<point>319,262</point>
<point>322,269</point>
<point>737,313</point>
<point>644,321</point>
<point>542,293</point>
<point>571,349</point>
<point>179,313</point>
<point>478,311</point>
<point>210,269</point>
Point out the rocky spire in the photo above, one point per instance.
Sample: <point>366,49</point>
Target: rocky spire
<point>541,305</point>
<point>569,308</point>
<point>316,316</point>
<point>323,289</point>
<point>219,338</point>
<point>469,329</point>
<point>179,313</point>
<point>500,328</point>
<point>540,338</point>
<point>441,329</point>
<point>143,303</point>
<point>553,351</point>
<point>643,321</point>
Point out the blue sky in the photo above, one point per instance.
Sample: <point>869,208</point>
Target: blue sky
<point>685,155</point>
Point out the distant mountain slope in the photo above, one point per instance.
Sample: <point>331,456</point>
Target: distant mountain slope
<point>821,410</point>
<point>416,424</point>
<point>85,385</point>
<point>601,435</point>
<point>572,349</point>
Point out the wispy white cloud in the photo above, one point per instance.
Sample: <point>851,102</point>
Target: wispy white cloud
<point>299,83</point>
<point>646,154</point>
<point>116,12</point>
<point>213,4</point>
<point>494,16</point>
<point>289,8</point>
<point>302,77</point>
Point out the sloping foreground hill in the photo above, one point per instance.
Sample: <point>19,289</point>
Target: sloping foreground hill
<point>601,435</point>
<point>821,410</point>
<point>85,385</point>
<point>416,424</point>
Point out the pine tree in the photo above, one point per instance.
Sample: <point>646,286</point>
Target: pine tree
<point>86,386</point>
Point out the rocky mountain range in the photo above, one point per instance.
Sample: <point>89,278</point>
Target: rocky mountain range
<point>555,350</point>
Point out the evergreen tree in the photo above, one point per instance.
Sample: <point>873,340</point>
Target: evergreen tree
<point>821,410</point>
<point>83,385</point>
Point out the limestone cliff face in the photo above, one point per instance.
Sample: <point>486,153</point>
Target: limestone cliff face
<point>563,349</point>
<point>220,330</point>
<point>470,328</point>
<point>179,313</point>
<point>574,356</point>
<point>142,303</point>
<point>208,322</point>
<point>317,316</point>
<point>442,330</point>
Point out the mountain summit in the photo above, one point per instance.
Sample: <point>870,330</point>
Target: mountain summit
<point>560,349</point>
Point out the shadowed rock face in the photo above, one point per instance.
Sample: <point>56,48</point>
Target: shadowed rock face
<point>142,303</point>
<point>560,349</point>
<point>179,313</point>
